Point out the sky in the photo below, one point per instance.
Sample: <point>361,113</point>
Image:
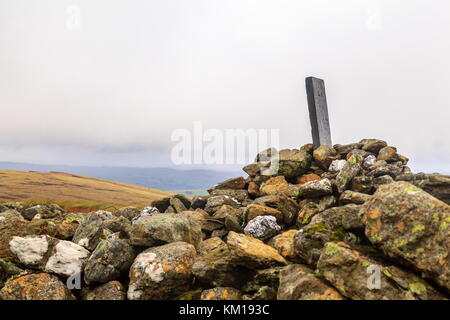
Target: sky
<point>108,82</point>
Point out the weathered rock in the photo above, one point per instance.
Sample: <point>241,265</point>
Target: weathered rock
<point>239,195</point>
<point>233,183</point>
<point>221,293</point>
<point>293,163</point>
<point>130,213</point>
<point>199,202</point>
<point>42,211</point>
<point>372,145</point>
<point>362,184</point>
<point>119,225</point>
<point>7,270</point>
<point>162,272</point>
<point>297,282</point>
<point>307,212</point>
<point>369,161</point>
<point>358,155</point>
<point>353,275</point>
<point>388,169</point>
<point>215,202</point>
<point>324,155</point>
<point>256,168</point>
<point>252,253</point>
<point>307,178</point>
<point>378,181</point>
<point>347,217</point>
<point>337,165</point>
<point>229,217</point>
<point>263,285</point>
<point>91,231</point>
<point>109,260</point>
<point>412,227</point>
<point>284,243</point>
<point>316,189</point>
<point>253,190</point>
<point>262,227</point>
<point>334,224</point>
<point>66,258</point>
<point>214,265</point>
<point>438,185</point>
<point>344,149</point>
<point>42,226</point>
<point>112,290</point>
<point>353,197</point>
<point>11,224</point>
<point>41,286</point>
<point>274,185</point>
<point>254,210</point>
<point>345,176</point>
<point>161,204</point>
<point>177,205</point>
<point>165,228</point>
<point>29,250</point>
<point>48,254</point>
<point>68,226</point>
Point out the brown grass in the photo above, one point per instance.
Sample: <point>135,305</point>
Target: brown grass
<point>73,192</point>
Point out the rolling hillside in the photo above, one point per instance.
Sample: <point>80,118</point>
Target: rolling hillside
<point>71,190</point>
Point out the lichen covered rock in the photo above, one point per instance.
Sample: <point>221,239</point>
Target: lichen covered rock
<point>411,226</point>
<point>162,272</point>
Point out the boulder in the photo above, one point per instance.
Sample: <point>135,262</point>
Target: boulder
<point>316,189</point>
<point>214,265</point>
<point>90,231</point>
<point>112,290</point>
<point>165,228</point>
<point>411,226</point>
<point>11,224</point>
<point>130,213</point>
<point>324,155</point>
<point>353,274</point>
<point>215,202</point>
<point>233,183</point>
<point>262,227</point>
<point>274,185</point>
<point>254,210</point>
<point>162,272</point>
<point>284,244</point>
<point>42,212</point>
<point>48,254</point>
<point>345,176</point>
<point>438,185</point>
<point>293,163</point>
<point>297,282</point>
<point>337,165</point>
<point>110,259</point>
<point>349,196</point>
<point>373,145</point>
<point>252,253</point>
<point>41,286</point>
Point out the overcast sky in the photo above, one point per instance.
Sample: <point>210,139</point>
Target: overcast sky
<point>110,88</point>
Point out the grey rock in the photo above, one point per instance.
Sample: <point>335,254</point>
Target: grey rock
<point>262,227</point>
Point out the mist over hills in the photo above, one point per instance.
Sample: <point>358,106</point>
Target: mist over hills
<point>158,178</point>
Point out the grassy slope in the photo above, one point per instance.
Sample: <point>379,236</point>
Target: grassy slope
<point>72,191</point>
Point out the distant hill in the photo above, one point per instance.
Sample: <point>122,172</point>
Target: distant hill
<point>159,178</point>
<point>72,190</point>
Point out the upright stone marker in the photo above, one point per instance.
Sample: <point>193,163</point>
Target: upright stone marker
<point>318,112</point>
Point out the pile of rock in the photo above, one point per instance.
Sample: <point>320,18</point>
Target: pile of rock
<point>343,222</point>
